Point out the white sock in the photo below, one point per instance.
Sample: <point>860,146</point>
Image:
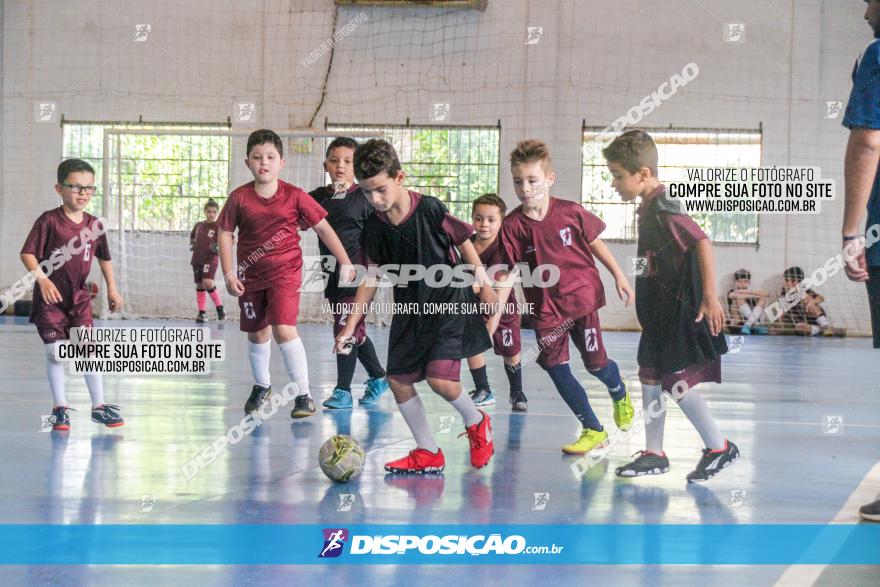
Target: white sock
<point>95,383</point>
<point>751,314</point>
<point>258,355</point>
<point>654,406</point>
<point>697,411</point>
<point>294,354</point>
<point>55,372</point>
<point>469,412</point>
<point>757,313</point>
<point>414,415</point>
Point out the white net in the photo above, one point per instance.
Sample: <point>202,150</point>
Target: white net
<point>466,85</point>
<point>155,185</point>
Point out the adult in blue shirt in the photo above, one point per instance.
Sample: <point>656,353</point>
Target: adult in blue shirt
<point>862,179</point>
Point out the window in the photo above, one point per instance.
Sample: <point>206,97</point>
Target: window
<point>679,149</point>
<point>454,164</point>
<point>160,175</point>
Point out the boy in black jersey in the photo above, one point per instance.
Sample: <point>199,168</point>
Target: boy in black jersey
<point>347,212</point>
<point>412,231</point>
<point>676,303</point>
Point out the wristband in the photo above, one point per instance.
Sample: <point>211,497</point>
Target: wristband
<point>853,237</point>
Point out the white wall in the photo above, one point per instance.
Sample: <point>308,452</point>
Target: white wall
<point>595,60</point>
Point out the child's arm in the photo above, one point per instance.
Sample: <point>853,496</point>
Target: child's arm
<point>469,255</point>
<point>710,308</point>
<point>233,285</point>
<point>366,291</point>
<point>814,299</point>
<point>328,237</point>
<point>860,169</point>
<point>603,253</point>
<point>192,237</point>
<point>114,299</point>
<point>50,293</point>
<point>503,293</point>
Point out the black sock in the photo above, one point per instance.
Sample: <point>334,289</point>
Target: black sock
<point>574,395</point>
<point>481,378</point>
<point>514,377</point>
<point>345,365</point>
<point>366,353</point>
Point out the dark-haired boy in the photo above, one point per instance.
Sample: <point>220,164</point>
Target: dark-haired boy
<point>677,305</point>
<point>488,211</point>
<point>269,213</point>
<point>412,230</point>
<point>347,212</point>
<point>62,299</point>
<point>545,230</point>
<point>807,317</point>
<point>745,306</point>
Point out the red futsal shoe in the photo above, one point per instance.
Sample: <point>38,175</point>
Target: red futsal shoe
<point>480,437</point>
<point>418,461</point>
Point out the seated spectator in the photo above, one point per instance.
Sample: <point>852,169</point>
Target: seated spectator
<point>808,317</point>
<point>745,307</point>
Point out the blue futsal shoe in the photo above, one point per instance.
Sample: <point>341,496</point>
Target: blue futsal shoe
<point>340,400</point>
<point>375,389</point>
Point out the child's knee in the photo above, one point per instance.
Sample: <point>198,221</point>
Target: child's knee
<point>284,333</point>
<point>401,390</point>
<point>609,374</point>
<point>260,336</point>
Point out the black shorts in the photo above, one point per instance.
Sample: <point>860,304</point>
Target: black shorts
<point>874,302</point>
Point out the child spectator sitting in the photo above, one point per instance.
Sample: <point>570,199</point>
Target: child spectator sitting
<point>745,306</point>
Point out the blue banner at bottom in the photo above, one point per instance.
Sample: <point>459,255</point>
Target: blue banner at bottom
<point>727,544</point>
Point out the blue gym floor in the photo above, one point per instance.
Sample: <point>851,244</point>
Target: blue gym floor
<point>776,396</point>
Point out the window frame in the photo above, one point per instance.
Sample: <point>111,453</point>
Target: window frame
<point>600,131</point>
<point>340,128</point>
<point>143,128</point>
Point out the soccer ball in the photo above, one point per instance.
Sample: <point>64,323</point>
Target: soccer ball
<point>341,458</point>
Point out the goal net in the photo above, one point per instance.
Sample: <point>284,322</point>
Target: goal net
<point>156,183</point>
<point>471,84</point>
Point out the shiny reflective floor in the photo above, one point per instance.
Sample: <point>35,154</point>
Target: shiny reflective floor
<point>775,403</point>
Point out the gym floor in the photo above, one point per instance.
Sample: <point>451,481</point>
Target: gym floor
<point>780,402</point>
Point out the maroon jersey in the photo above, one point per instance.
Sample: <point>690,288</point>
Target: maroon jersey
<point>268,232</point>
<point>492,256</point>
<point>562,238</point>
<point>204,242</point>
<point>54,231</point>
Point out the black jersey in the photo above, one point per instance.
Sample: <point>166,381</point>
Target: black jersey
<point>347,214</point>
<point>427,236</point>
<point>670,292</point>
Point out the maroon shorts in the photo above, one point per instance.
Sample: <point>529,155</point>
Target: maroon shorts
<point>585,332</point>
<point>507,341</point>
<point>447,369</point>
<point>275,305</point>
<point>340,314</point>
<point>205,271</point>
<point>710,371</point>
<point>54,321</point>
